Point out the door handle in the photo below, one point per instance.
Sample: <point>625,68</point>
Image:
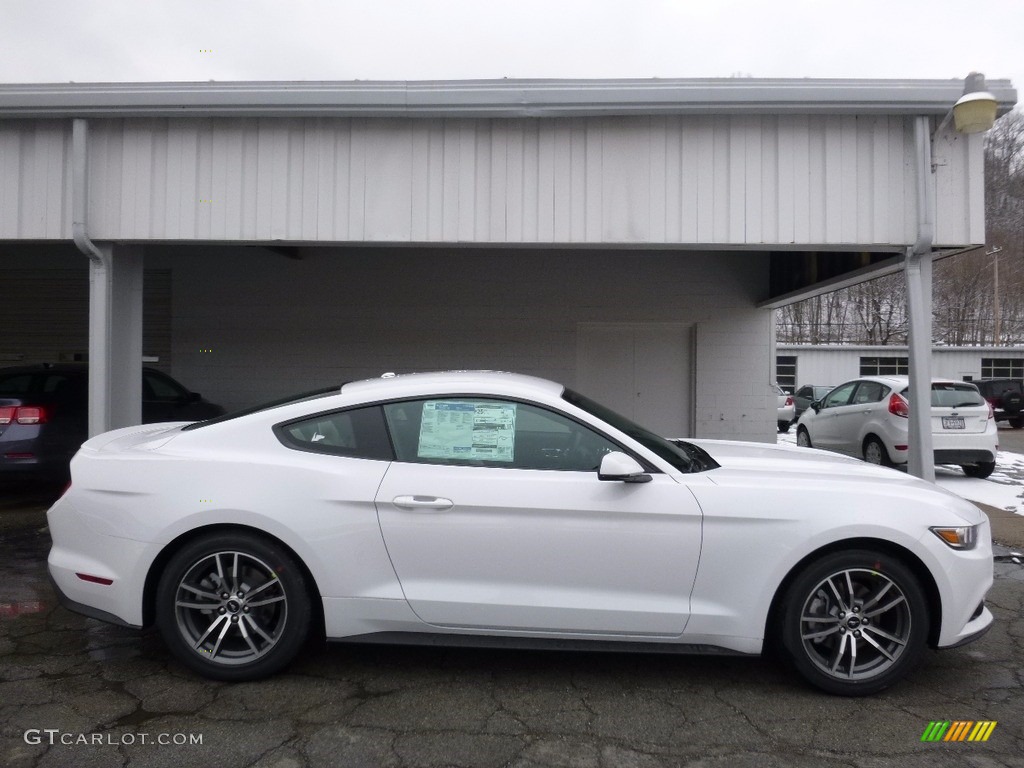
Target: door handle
<point>422,503</point>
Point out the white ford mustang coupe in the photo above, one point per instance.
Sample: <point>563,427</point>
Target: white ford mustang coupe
<point>483,508</point>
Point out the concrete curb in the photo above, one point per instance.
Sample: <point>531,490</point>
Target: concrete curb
<point>1007,527</point>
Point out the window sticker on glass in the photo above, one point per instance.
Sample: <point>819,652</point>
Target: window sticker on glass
<point>467,430</point>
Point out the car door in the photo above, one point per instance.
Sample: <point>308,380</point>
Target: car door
<point>494,518</point>
<point>851,420</point>
<point>825,425</point>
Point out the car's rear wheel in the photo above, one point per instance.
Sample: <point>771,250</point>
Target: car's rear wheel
<point>803,438</point>
<point>854,623</point>
<point>980,471</point>
<point>233,606</point>
<point>1017,422</point>
<point>875,452</point>
<point>784,427</point>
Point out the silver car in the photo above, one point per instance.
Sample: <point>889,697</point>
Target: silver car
<point>786,408</point>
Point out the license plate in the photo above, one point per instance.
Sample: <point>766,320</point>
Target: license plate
<point>953,422</point>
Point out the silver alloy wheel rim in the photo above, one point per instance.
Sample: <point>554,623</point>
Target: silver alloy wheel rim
<point>231,608</point>
<point>873,453</point>
<point>855,624</point>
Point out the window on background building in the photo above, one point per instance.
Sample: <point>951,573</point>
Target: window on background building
<point>998,368</point>
<point>785,372</point>
<point>884,366</point>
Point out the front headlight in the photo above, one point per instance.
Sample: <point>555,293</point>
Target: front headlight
<point>959,537</point>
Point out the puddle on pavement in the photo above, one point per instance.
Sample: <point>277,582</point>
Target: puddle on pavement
<point>23,562</point>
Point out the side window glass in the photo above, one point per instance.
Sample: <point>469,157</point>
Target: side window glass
<point>840,396</point>
<point>358,433</point>
<point>868,392</point>
<point>156,387</point>
<point>495,433</point>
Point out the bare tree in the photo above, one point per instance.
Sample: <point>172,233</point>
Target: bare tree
<point>978,296</point>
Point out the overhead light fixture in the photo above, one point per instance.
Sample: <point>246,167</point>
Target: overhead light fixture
<point>975,111</point>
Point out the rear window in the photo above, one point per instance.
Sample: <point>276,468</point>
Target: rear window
<point>952,395</point>
<point>17,384</point>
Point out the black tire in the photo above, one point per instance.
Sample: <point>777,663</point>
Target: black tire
<point>784,427</point>
<point>1012,402</point>
<point>233,606</point>
<point>803,437</point>
<point>980,471</point>
<point>886,622</point>
<point>874,452</point>
<point>1017,422</point>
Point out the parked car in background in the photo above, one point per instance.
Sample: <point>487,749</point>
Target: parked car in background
<point>476,508</point>
<point>807,394</point>
<point>868,418</point>
<point>785,408</point>
<point>1006,396</point>
<point>44,414</point>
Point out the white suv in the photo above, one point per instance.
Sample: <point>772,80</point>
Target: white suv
<point>868,418</point>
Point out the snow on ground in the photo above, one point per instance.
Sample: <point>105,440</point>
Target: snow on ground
<point>1004,488</point>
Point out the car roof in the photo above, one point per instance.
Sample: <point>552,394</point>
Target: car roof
<point>498,382</point>
<point>903,381</point>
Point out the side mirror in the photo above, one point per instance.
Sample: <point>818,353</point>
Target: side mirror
<point>816,405</point>
<point>619,466</point>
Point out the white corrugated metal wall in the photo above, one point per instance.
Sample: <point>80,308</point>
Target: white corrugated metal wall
<point>834,365</point>
<point>724,180</point>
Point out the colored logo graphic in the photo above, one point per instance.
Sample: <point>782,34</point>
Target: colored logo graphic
<point>958,730</point>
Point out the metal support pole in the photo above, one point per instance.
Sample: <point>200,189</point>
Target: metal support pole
<point>918,271</point>
<point>115,308</point>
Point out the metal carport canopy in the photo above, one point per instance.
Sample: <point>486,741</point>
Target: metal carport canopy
<point>491,98</point>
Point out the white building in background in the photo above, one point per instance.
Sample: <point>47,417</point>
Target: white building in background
<point>800,364</point>
<point>627,237</point>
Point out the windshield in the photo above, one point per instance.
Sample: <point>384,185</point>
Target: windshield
<point>694,460</point>
<point>265,407</point>
<point>952,394</point>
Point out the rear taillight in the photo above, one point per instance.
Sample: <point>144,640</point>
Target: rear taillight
<point>789,401</point>
<point>898,406</point>
<point>22,414</point>
<point>991,410</point>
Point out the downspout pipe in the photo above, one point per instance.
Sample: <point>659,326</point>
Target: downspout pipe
<point>918,271</point>
<point>100,288</point>
<point>80,190</point>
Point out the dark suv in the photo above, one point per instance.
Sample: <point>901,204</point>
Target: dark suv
<point>44,414</point>
<point>1006,397</point>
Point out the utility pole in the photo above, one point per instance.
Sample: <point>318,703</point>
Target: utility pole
<point>997,324</point>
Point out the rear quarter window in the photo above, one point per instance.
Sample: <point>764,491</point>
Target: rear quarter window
<point>357,433</point>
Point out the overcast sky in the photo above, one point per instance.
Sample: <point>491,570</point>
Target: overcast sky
<point>153,40</point>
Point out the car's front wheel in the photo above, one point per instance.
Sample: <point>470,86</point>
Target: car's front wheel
<point>854,623</point>
<point>233,606</point>
<point>980,471</point>
<point>803,438</point>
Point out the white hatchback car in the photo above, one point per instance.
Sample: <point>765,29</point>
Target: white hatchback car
<point>868,418</point>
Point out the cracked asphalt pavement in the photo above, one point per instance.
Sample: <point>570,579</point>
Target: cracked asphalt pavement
<point>76,692</point>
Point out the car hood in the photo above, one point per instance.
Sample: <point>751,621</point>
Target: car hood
<point>733,454</point>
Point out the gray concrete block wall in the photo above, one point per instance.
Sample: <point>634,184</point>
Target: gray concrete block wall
<point>251,325</point>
